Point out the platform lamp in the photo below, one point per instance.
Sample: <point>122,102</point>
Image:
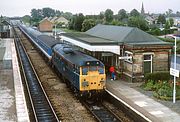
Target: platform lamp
<point>55,32</point>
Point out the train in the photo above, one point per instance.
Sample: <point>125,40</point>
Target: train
<point>83,73</point>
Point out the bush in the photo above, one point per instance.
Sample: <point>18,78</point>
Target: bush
<point>148,85</point>
<point>158,76</point>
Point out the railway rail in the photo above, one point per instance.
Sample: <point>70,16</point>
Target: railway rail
<point>42,108</point>
<point>101,112</point>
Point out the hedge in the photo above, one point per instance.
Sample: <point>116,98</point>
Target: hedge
<point>156,76</point>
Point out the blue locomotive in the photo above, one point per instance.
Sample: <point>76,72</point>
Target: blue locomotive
<point>85,74</point>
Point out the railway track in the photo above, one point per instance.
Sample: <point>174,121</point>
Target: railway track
<point>101,112</point>
<point>42,108</point>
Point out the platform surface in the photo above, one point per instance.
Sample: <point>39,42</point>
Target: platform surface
<point>143,105</point>
<point>13,106</point>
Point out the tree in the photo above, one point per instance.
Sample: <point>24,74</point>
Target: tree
<point>169,12</point>
<point>48,12</point>
<point>171,22</point>
<point>87,24</point>
<point>116,22</point>
<point>122,14</point>
<point>36,15</point>
<point>161,19</point>
<point>76,22</point>
<point>167,25</point>
<point>58,13</point>
<point>26,19</point>
<point>134,13</point>
<point>138,22</point>
<point>108,15</point>
<point>67,15</point>
<point>101,15</point>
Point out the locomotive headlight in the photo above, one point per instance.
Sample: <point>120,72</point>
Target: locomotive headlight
<point>85,83</point>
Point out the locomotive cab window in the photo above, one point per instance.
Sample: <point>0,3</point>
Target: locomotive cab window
<point>101,70</point>
<point>84,70</point>
<point>92,68</point>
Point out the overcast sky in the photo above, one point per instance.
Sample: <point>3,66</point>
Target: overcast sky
<point>23,7</point>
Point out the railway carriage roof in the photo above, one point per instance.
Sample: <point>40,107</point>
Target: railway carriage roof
<point>48,40</point>
<point>75,57</point>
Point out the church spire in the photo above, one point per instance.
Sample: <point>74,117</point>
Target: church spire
<point>142,10</point>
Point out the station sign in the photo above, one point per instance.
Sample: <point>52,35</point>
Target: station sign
<point>174,72</point>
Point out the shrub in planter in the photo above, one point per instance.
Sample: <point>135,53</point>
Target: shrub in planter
<point>148,85</point>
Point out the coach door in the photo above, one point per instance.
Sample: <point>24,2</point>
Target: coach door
<point>147,63</point>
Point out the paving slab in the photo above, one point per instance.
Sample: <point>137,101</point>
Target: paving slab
<point>13,106</point>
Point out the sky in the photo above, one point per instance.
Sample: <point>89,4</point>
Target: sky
<point>13,8</point>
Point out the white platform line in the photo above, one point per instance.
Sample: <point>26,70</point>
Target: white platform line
<point>21,105</point>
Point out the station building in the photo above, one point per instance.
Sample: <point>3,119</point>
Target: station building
<point>132,51</point>
<point>4,28</point>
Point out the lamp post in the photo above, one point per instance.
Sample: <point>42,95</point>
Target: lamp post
<point>55,32</point>
<point>174,89</point>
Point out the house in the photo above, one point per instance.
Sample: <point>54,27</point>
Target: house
<point>63,21</point>
<point>132,51</point>
<point>45,25</point>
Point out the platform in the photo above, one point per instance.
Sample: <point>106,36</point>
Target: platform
<point>12,101</point>
<point>149,109</point>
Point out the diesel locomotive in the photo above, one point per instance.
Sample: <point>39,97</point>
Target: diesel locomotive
<point>85,74</point>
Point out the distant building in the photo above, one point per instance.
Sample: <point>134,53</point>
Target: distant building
<point>142,10</point>
<point>4,28</point>
<point>45,25</point>
<point>63,21</point>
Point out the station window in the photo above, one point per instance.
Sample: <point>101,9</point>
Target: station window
<point>147,57</point>
<point>128,54</point>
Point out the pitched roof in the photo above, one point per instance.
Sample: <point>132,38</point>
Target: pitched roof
<point>122,34</point>
<point>62,19</point>
<point>46,18</point>
<point>54,19</point>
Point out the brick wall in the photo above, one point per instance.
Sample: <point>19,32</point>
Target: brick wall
<point>46,26</point>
